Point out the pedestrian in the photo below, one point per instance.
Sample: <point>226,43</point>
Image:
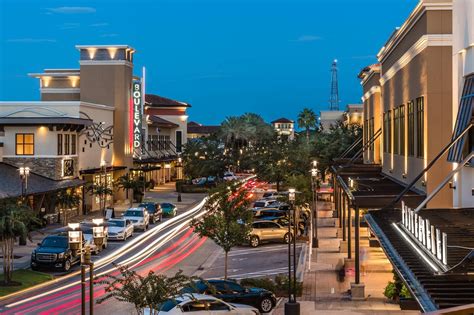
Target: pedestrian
<point>364,253</point>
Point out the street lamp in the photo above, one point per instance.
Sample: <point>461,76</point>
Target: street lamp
<point>24,173</point>
<point>314,216</point>
<point>292,307</point>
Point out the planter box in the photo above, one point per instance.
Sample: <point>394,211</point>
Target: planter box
<point>409,304</point>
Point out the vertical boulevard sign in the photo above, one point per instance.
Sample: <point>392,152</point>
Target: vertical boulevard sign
<point>137,114</point>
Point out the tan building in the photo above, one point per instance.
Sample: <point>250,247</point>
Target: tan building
<point>328,118</point>
<point>284,127</point>
<point>354,114</point>
<point>415,90</point>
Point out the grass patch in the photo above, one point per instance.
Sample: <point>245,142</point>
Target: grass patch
<point>28,278</point>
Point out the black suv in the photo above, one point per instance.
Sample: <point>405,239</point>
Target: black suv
<point>154,210</point>
<point>54,252</point>
<point>233,292</point>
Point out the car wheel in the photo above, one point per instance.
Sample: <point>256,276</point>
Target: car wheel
<point>34,268</point>
<point>287,238</point>
<point>254,241</point>
<point>67,265</point>
<point>265,305</point>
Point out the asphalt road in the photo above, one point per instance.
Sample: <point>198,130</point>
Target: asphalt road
<point>160,249</point>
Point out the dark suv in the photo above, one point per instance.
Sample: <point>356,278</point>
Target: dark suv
<point>54,252</point>
<point>233,292</point>
<point>154,210</point>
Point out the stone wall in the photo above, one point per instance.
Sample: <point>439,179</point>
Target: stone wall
<point>48,167</point>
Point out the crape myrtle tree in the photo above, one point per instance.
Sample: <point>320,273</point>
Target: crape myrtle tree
<point>16,222</point>
<point>227,219</point>
<point>148,291</point>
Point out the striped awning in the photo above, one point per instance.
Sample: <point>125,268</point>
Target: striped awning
<point>464,118</point>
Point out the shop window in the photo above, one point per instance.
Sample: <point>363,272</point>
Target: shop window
<point>420,127</point>
<point>371,133</point>
<point>402,129</point>
<point>387,143</point>
<point>179,141</point>
<point>396,130</point>
<point>24,144</point>
<point>73,144</point>
<point>411,129</point>
<point>60,144</point>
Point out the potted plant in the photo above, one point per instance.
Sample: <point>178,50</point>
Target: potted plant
<point>397,292</point>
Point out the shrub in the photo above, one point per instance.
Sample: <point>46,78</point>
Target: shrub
<point>279,286</point>
<point>264,283</point>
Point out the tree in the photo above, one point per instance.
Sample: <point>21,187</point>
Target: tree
<point>128,183</point>
<point>102,191</point>
<point>67,199</point>
<point>149,291</point>
<point>227,219</point>
<point>16,221</point>
<point>204,157</point>
<point>307,120</point>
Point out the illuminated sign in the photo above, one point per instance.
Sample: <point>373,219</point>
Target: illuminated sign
<point>137,114</point>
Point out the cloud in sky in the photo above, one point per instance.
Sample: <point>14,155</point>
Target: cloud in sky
<point>31,40</point>
<point>307,38</point>
<point>99,24</point>
<point>72,10</point>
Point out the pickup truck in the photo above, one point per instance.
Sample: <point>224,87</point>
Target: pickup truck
<point>54,253</point>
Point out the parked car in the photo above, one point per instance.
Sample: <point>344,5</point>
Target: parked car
<point>200,304</point>
<point>283,221</point>
<point>54,252</point>
<point>280,205</point>
<point>154,210</point>
<point>139,217</point>
<point>87,232</point>
<point>272,195</point>
<point>262,203</point>
<point>263,231</point>
<point>232,292</point>
<point>229,176</point>
<point>169,209</point>
<point>120,229</point>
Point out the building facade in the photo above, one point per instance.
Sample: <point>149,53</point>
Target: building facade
<point>284,127</point>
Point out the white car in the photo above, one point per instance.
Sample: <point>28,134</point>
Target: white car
<point>120,229</point>
<point>139,217</point>
<point>264,203</point>
<point>87,232</point>
<point>200,304</point>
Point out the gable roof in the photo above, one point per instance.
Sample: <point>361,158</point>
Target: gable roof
<point>282,120</point>
<point>161,122</point>
<point>160,101</point>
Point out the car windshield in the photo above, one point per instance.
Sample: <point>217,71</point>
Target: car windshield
<point>259,204</point>
<point>168,305</point>
<point>133,213</point>
<point>116,223</point>
<point>60,242</point>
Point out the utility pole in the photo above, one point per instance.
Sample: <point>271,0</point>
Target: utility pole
<point>334,98</point>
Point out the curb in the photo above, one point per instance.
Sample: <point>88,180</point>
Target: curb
<point>279,300</point>
<point>301,266</point>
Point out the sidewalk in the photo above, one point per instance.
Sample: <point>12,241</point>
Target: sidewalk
<point>324,294</point>
<point>163,193</point>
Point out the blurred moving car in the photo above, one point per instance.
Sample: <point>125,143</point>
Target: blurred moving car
<point>153,209</point>
<point>120,229</point>
<point>169,209</point>
<point>263,231</point>
<point>200,304</point>
<point>139,217</point>
<point>232,292</point>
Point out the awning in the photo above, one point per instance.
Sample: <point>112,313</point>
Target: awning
<point>100,169</point>
<point>465,116</point>
<point>434,287</point>
<point>10,183</point>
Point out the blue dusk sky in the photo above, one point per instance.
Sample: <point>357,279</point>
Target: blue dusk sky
<point>225,57</point>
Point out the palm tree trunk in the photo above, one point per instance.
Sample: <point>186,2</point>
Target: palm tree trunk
<point>307,135</point>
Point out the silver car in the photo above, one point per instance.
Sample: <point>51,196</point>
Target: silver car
<point>268,231</point>
<point>120,229</point>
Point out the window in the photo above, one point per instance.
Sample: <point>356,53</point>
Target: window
<point>179,141</point>
<point>73,144</point>
<point>411,129</point>
<point>25,144</point>
<point>371,133</point>
<point>60,144</point>
<point>387,143</point>
<point>402,129</point>
<point>366,131</point>
<point>66,144</point>
<point>396,130</point>
<point>420,127</point>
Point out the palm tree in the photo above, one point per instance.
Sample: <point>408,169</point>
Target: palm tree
<point>307,120</point>
<point>16,221</point>
<point>102,191</point>
<point>128,183</point>
<point>67,199</point>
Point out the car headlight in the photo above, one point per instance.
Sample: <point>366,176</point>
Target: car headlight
<point>61,255</point>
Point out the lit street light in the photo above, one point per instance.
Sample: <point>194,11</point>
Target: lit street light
<point>292,307</point>
<point>314,212</point>
<point>24,173</point>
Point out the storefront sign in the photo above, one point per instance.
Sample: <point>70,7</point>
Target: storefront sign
<point>137,114</point>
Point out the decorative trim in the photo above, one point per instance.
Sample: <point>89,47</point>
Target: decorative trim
<point>48,112</point>
<point>371,73</point>
<point>420,45</point>
<point>99,106</point>
<point>106,63</point>
<point>372,91</point>
<point>415,15</point>
<point>60,90</point>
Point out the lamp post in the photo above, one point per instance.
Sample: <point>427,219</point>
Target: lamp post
<point>24,173</point>
<point>314,217</point>
<point>292,307</point>
<point>180,176</point>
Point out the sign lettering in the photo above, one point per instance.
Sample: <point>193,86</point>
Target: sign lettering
<point>137,114</point>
